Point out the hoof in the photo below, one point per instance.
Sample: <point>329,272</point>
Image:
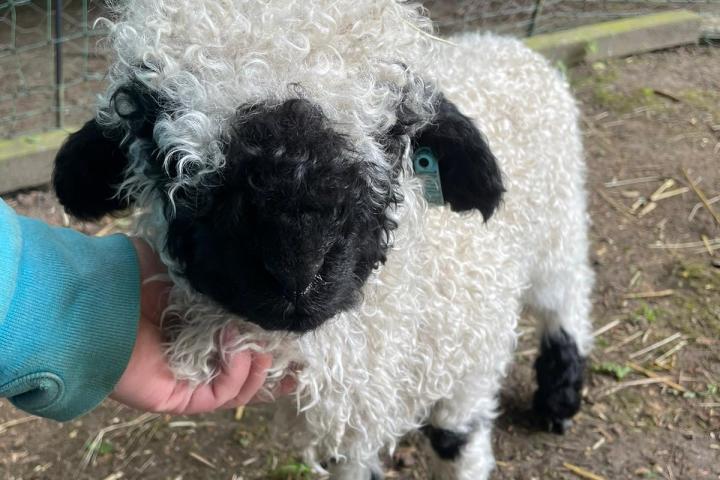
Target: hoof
<point>559,370</point>
<point>560,426</point>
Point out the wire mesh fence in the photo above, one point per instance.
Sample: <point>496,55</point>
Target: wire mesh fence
<point>52,66</point>
<point>532,17</point>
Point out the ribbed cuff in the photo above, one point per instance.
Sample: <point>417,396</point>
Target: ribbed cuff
<point>72,321</point>
<point>10,246</point>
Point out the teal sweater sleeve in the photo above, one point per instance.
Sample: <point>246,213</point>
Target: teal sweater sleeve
<point>69,308</point>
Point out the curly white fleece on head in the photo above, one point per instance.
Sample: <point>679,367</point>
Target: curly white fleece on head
<point>206,59</point>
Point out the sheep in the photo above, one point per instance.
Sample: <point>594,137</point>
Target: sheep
<point>270,150</point>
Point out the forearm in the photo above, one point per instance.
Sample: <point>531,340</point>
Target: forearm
<point>69,307</point>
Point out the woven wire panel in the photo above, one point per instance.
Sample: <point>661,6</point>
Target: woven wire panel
<point>32,100</point>
<point>524,17</point>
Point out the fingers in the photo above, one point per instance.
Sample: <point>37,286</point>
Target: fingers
<point>286,386</point>
<point>223,388</point>
<point>149,384</point>
<point>238,381</point>
<point>256,378</point>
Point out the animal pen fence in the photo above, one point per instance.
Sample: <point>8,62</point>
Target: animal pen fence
<point>52,59</point>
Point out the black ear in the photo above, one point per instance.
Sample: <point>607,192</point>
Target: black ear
<point>469,173</point>
<point>91,164</point>
<point>88,168</point>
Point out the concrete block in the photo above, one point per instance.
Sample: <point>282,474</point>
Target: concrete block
<point>27,161</point>
<point>619,38</point>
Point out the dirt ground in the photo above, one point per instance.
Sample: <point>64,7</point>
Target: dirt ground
<point>652,405</point>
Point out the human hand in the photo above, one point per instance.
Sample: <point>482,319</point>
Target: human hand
<point>148,384</point>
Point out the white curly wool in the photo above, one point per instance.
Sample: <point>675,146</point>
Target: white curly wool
<point>435,331</point>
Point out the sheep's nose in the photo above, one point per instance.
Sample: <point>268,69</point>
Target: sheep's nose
<point>295,278</point>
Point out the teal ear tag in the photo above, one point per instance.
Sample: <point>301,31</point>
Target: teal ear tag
<point>427,169</point>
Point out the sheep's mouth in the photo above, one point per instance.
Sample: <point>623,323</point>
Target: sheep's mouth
<point>299,315</point>
<point>273,308</point>
<point>301,318</point>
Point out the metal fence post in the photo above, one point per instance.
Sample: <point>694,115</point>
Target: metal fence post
<point>58,64</point>
<point>537,11</point>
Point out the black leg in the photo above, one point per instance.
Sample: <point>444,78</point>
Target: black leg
<point>446,443</point>
<point>559,370</point>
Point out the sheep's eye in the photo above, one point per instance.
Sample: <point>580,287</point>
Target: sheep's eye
<point>124,105</point>
<point>139,106</point>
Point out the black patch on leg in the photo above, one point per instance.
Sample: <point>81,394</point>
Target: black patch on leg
<point>446,443</point>
<point>559,370</point>
<point>374,475</point>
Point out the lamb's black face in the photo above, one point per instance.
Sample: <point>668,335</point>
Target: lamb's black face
<point>291,229</point>
<point>288,231</point>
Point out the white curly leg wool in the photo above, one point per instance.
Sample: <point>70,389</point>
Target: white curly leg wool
<point>458,432</point>
<point>475,461</point>
<point>349,469</point>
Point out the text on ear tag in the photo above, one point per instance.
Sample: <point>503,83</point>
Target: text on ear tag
<point>427,169</point>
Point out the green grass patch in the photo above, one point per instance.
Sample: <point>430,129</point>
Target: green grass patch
<point>292,471</point>
<point>707,100</point>
<point>648,313</point>
<point>613,369</point>
<point>697,299</point>
<point>602,85</point>
<point>102,448</point>
<point>610,98</point>
<point>243,438</point>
